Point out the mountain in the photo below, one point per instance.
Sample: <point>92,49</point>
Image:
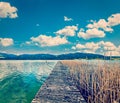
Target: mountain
<point>4,56</point>
<point>7,56</point>
<point>37,56</point>
<point>80,56</point>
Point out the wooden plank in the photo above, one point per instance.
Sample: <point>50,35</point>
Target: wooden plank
<point>59,88</point>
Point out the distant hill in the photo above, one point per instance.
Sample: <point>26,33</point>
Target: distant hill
<point>4,56</point>
<point>7,56</point>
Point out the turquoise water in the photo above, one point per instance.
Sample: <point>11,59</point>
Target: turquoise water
<point>20,80</point>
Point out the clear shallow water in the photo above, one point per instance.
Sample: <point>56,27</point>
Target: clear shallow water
<point>20,80</point>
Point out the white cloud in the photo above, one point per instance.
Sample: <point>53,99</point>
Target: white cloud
<point>108,44</point>
<point>98,29</point>
<point>73,47</point>
<point>67,19</point>
<point>119,48</point>
<point>101,24</point>
<point>91,33</point>
<point>88,51</point>
<point>68,31</point>
<point>44,40</point>
<point>28,42</point>
<point>107,48</point>
<point>6,42</point>
<point>112,53</point>
<point>80,46</point>
<point>114,19</point>
<point>36,44</point>
<point>6,10</point>
<point>90,46</point>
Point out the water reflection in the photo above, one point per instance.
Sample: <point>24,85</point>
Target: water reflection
<point>20,80</point>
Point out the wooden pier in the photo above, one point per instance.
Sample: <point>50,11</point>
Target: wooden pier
<point>59,88</point>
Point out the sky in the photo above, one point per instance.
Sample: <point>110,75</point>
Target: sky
<point>60,26</point>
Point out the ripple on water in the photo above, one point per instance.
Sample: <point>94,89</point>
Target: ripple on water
<point>20,80</point>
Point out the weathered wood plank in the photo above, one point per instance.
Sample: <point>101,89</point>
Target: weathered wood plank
<point>59,88</point>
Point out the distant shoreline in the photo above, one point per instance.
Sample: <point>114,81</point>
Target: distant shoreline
<point>69,56</point>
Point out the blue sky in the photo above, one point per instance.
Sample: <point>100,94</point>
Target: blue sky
<point>60,26</point>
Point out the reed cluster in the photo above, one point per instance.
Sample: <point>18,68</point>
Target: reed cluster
<point>98,81</point>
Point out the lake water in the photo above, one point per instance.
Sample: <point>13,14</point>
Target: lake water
<point>20,80</point>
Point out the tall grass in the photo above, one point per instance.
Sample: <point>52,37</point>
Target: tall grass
<point>98,81</point>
